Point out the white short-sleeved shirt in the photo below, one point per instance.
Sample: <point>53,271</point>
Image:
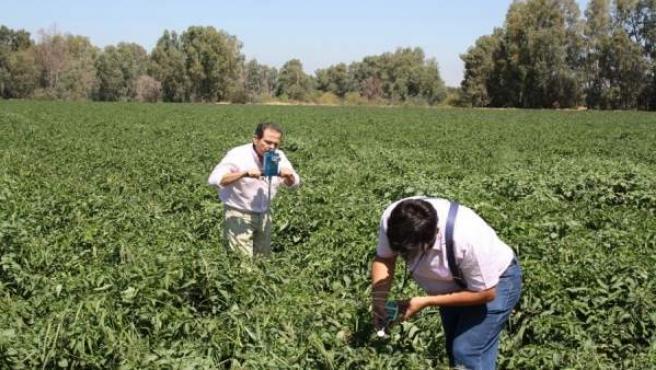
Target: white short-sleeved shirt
<point>248,194</point>
<point>481,256</point>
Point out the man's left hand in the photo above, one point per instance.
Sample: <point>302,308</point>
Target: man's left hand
<point>287,175</point>
<point>410,307</point>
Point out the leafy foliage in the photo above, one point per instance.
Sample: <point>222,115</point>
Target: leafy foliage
<point>111,251</point>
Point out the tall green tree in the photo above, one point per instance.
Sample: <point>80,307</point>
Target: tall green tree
<point>619,54</point>
<point>335,79</point>
<point>549,56</point>
<point>110,76</point>
<point>624,67</point>
<point>79,78</point>
<point>118,69</point>
<point>167,65</point>
<point>259,79</point>
<point>293,82</point>
<point>506,81</point>
<point>597,38</point>
<point>479,65</point>
<point>406,74</point>
<point>638,19</point>
<point>538,60</point>
<point>367,77</point>
<point>23,74</point>
<point>213,63</point>
<point>18,71</point>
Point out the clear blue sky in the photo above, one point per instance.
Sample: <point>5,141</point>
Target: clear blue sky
<point>319,33</point>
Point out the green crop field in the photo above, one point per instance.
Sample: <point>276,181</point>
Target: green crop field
<point>111,251</point>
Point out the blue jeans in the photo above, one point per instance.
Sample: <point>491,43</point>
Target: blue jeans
<point>472,333</point>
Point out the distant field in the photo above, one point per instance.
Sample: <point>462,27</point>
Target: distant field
<point>111,251</point>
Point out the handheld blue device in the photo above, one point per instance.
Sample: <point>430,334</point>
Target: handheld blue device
<point>392,309</point>
<point>271,160</point>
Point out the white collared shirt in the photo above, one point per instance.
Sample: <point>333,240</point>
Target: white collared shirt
<point>248,194</point>
<point>481,256</point>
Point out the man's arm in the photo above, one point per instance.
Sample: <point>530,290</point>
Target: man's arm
<point>287,173</point>
<point>456,299</point>
<point>288,177</point>
<point>227,172</point>
<point>232,177</point>
<point>382,274</point>
<point>221,170</point>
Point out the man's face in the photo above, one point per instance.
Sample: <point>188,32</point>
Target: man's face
<point>270,140</point>
<point>413,250</point>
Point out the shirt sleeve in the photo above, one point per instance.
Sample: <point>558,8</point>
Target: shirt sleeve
<point>285,163</point>
<point>478,246</point>
<point>383,249</point>
<point>227,165</point>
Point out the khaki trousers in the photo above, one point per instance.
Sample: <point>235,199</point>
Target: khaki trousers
<point>247,232</point>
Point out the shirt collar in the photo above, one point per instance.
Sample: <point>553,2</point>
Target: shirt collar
<point>257,157</point>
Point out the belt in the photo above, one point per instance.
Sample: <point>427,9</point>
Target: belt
<point>243,210</point>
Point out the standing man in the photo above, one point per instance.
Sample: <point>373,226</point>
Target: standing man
<point>475,286</point>
<point>245,192</point>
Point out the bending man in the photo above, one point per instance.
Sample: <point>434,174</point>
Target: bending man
<point>475,293</point>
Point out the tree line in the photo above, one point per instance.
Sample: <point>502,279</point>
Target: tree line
<point>202,64</point>
<point>547,55</point>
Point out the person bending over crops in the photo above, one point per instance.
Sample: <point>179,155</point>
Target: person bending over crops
<point>475,287</point>
<point>246,193</point>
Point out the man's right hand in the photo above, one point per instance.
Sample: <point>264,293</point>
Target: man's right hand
<point>379,314</point>
<point>231,177</point>
<point>254,173</point>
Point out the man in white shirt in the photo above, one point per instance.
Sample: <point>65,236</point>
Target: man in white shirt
<point>476,292</point>
<point>246,194</point>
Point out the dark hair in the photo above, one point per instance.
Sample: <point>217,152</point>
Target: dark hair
<point>412,225</point>
<point>259,130</point>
